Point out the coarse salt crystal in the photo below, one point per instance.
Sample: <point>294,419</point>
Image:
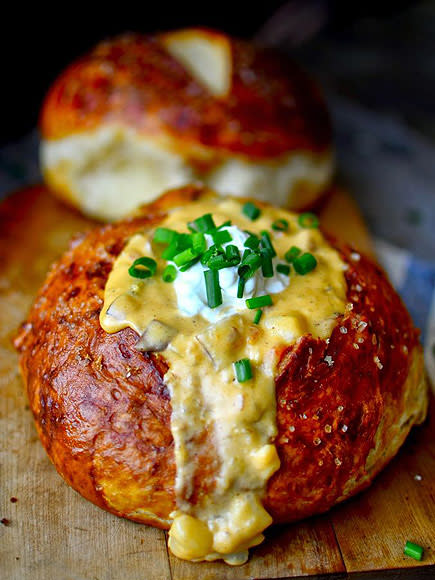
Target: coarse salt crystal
<point>378,362</point>
<point>328,359</point>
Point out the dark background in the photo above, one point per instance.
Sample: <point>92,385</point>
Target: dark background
<point>379,53</point>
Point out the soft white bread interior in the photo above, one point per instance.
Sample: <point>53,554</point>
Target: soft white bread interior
<point>139,115</point>
<point>108,172</point>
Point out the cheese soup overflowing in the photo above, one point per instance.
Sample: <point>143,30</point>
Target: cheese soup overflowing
<point>220,288</point>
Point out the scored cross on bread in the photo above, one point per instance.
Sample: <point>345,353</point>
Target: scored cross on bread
<point>206,54</point>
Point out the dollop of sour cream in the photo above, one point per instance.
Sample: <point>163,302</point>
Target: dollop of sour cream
<point>191,292</point>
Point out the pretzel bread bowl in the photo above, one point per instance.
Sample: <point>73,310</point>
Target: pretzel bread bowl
<point>141,114</point>
<point>173,403</point>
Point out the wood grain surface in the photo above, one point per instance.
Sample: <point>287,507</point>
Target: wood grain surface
<point>48,531</point>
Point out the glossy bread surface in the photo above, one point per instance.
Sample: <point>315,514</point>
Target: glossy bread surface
<point>103,411</point>
<point>272,108</point>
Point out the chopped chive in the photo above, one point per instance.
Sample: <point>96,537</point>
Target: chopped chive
<point>291,254</point>
<point>169,273</point>
<point>218,262</point>
<point>204,223</point>
<point>221,236</point>
<point>308,220</point>
<point>266,264</point>
<point>243,370</point>
<point>241,287</point>
<point>189,264</point>
<point>199,244</point>
<point>258,316</point>
<point>184,257</point>
<point>252,242</point>
<point>283,269</point>
<point>266,243</point>
<point>164,235</point>
<point>179,243</point>
<point>184,241</point>
<point>212,251</point>
<point>224,225</point>
<point>213,290</point>
<point>413,550</point>
<point>232,254</point>
<point>143,268</point>
<point>305,263</point>
<point>246,253</point>
<point>259,301</point>
<point>280,225</point>
<point>249,265</point>
<point>251,211</point>
<point>171,251</point>
<point>207,255</point>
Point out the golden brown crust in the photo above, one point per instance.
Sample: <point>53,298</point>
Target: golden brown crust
<point>272,107</point>
<point>103,411</point>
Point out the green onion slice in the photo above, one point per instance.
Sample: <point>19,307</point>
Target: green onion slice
<point>218,262</point>
<point>413,550</point>
<point>246,253</point>
<point>259,302</point>
<point>212,251</point>
<point>308,220</point>
<point>169,273</point>
<point>249,265</point>
<point>204,223</point>
<point>283,269</point>
<point>143,268</point>
<point>266,243</point>
<point>179,243</point>
<point>199,244</point>
<point>243,370</point>
<point>280,225</point>
<point>171,251</point>
<point>232,254</point>
<point>241,287</point>
<point>213,290</point>
<point>258,316</point>
<point>291,254</point>
<point>251,211</point>
<point>304,264</point>
<point>189,264</point>
<point>266,264</point>
<point>221,236</point>
<point>184,257</point>
<point>252,242</point>
<point>164,235</point>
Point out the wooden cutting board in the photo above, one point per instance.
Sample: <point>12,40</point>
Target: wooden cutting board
<point>49,532</point>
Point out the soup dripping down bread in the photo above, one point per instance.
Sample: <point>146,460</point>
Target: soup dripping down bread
<point>114,364</point>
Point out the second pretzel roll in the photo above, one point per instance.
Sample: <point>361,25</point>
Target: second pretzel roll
<point>140,114</point>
